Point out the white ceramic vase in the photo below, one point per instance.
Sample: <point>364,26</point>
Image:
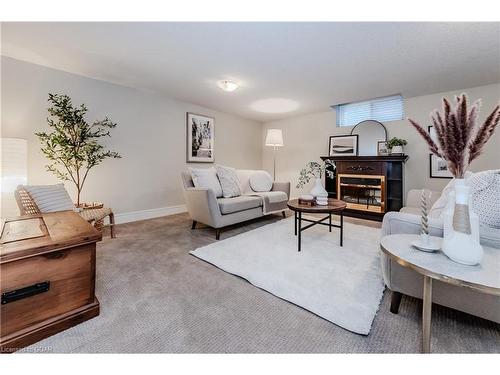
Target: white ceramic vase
<point>318,190</point>
<point>461,228</point>
<point>397,150</point>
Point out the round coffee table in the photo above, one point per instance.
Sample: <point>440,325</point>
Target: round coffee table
<point>334,206</point>
<point>437,266</point>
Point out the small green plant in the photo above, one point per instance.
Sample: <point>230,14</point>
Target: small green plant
<point>72,147</point>
<point>314,169</point>
<point>396,142</point>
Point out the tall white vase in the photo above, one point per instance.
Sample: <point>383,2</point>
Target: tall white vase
<point>318,190</point>
<point>461,228</point>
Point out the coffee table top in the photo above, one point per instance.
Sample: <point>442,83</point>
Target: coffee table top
<point>334,205</point>
<point>483,277</point>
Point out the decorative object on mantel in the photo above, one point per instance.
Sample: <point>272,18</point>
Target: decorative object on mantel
<point>72,146</point>
<point>200,138</point>
<point>316,170</point>
<point>369,132</point>
<point>425,242</point>
<point>343,145</point>
<point>382,149</point>
<point>396,145</point>
<point>459,142</point>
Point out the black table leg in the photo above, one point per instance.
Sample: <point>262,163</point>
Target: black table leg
<point>300,229</point>
<point>341,228</point>
<point>330,222</point>
<point>295,222</point>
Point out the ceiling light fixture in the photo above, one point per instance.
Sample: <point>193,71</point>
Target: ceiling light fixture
<point>227,85</point>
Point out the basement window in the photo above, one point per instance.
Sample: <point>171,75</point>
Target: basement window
<point>388,108</point>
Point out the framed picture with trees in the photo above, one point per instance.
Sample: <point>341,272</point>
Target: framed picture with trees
<point>200,138</point>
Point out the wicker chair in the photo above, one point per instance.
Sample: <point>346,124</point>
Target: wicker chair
<point>27,206</point>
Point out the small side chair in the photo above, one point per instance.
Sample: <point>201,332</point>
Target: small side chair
<point>94,216</point>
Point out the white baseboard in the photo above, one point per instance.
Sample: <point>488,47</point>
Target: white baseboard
<point>127,217</point>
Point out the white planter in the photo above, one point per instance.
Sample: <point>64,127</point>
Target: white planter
<point>318,190</point>
<point>461,228</point>
<point>397,150</point>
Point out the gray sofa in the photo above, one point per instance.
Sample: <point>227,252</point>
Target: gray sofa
<point>204,207</point>
<point>401,280</point>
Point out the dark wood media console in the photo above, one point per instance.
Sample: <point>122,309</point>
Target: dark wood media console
<point>370,185</point>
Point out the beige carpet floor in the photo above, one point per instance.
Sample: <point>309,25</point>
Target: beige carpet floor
<point>156,297</point>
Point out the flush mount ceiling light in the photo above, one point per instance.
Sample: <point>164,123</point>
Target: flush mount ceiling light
<point>227,85</point>
<point>275,105</point>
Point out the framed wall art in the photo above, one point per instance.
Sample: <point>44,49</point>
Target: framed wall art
<point>200,138</point>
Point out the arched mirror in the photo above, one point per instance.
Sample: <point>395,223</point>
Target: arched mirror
<point>369,133</point>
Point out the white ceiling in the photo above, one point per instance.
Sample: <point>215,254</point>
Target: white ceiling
<point>308,65</point>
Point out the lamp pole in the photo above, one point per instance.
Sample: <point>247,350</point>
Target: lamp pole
<point>274,163</point>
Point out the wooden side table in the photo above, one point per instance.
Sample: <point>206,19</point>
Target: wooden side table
<point>334,206</point>
<point>483,278</point>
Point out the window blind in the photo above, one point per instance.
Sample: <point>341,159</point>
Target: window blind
<point>389,108</point>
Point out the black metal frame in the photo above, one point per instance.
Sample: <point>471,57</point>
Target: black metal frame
<point>299,229</point>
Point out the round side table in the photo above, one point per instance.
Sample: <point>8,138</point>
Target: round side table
<point>482,278</point>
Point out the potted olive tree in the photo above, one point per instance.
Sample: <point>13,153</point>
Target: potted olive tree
<point>72,145</point>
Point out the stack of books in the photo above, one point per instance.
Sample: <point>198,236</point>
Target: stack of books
<point>322,201</point>
<point>307,200</point>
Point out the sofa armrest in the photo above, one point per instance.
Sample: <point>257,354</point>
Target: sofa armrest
<point>400,222</point>
<point>282,186</point>
<point>202,205</point>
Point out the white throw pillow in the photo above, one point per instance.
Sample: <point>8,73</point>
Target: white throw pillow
<point>206,178</point>
<point>485,197</point>
<point>50,198</point>
<point>261,181</point>
<point>229,181</point>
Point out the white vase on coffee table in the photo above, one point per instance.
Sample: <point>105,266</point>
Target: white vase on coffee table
<point>318,190</point>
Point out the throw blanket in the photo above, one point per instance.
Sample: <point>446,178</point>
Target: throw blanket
<point>485,190</point>
<point>272,201</point>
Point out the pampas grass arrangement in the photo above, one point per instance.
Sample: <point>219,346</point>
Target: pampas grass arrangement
<point>459,139</point>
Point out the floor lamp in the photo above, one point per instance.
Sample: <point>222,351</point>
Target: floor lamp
<point>274,138</point>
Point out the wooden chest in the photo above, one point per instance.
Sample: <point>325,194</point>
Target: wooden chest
<point>47,277</point>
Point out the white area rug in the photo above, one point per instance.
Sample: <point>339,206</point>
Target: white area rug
<point>341,284</point>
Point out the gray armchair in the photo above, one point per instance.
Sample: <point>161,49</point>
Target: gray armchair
<point>204,207</point>
<point>401,280</point>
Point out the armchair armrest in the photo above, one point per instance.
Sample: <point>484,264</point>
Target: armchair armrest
<point>202,205</point>
<point>413,198</point>
<point>282,186</point>
<point>399,222</point>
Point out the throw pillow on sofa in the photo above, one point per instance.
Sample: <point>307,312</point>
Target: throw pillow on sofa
<point>50,198</point>
<point>229,181</point>
<point>485,190</point>
<point>261,181</point>
<point>206,178</point>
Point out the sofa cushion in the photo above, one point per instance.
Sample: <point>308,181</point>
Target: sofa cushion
<point>229,181</point>
<point>206,178</point>
<point>50,198</point>
<point>261,181</point>
<point>236,204</point>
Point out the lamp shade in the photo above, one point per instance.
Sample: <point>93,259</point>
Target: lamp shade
<point>14,171</point>
<point>274,137</point>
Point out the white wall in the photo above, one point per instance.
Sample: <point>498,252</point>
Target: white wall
<point>150,136</point>
<point>306,138</point>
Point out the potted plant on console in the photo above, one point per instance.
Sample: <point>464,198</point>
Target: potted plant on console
<point>396,145</point>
